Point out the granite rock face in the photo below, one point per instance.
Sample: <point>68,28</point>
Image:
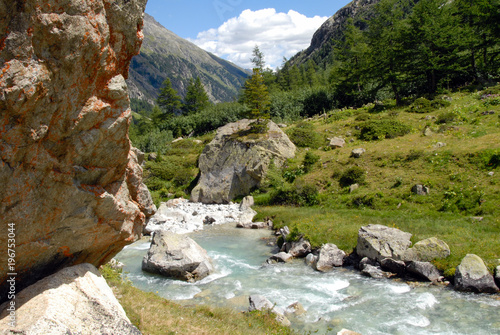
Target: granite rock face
<point>236,161</point>
<point>70,182</point>
<point>75,300</point>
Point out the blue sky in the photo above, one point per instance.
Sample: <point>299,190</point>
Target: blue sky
<point>231,28</point>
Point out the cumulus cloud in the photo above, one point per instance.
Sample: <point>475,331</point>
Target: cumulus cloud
<point>278,35</point>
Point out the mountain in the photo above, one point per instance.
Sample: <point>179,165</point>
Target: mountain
<point>333,29</point>
<point>164,54</point>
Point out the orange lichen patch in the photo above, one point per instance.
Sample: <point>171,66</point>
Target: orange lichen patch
<point>97,190</point>
<point>65,250</point>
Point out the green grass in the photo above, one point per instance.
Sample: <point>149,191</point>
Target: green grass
<point>153,315</point>
<point>458,175</point>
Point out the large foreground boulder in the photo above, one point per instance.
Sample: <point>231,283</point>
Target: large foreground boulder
<point>236,161</point>
<point>177,256</point>
<point>75,300</point>
<point>69,181</point>
<point>378,242</point>
<point>473,275</point>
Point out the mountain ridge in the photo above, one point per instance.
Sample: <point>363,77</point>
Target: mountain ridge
<point>165,55</point>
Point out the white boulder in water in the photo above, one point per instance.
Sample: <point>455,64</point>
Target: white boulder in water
<point>177,256</point>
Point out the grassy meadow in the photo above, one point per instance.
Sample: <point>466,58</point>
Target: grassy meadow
<point>450,144</point>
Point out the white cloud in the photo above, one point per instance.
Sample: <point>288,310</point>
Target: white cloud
<point>278,35</point>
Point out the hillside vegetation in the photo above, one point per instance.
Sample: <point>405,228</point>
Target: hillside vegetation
<point>414,83</point>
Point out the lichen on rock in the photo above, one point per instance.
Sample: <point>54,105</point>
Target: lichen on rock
<point>70,182</point>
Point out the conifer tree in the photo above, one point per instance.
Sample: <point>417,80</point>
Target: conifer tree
<point>168,100</point>
<point>196,97</point>
<point>256,96</point>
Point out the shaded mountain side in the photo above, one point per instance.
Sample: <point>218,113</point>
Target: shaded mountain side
<point>166,55</point>
<point>322,42</point>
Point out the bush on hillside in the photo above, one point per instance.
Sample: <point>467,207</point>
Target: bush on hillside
<point>304,135</point>
<point>423,105</point>
<point>380,129</point>
<point>309,160</point>
<point>293,195</point>
<point>317,101</point>
<point>353,175</point>
<point>286,106</point>
<point>447,117</point>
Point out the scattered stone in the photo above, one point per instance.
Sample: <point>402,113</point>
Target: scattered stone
<point>366,261</point>
<point>75,300</point>
<point>282,125</point>
<point>234,162</point>
<point>152,157</point>
<point>378,242</point>
<point>260,303</point>
<point>295,309</point>
<point>311,259</point>
<point>177,256</point>
<point>139,154</point>
<point>329,256</point>
<point>477,218</point>
<point>394,266</point>
<point>353,187</point>
<point>488,113</point>
<point>356,153</point>
<point>280,257</point>
<point>337,142</point>
<point>473,275</point>
<point>491,173</point>
<point>247,202</point>
<point>209,220</point>
<point>427,250</point>
<point>424,270</point>
<point>178,139</point>
<point>197,141</point>
<point>298,248</point>
<point>420,190</point>
<point>428,131</point>
<point>375,272</point>
<point>285,231</point>
<point>439,145</point>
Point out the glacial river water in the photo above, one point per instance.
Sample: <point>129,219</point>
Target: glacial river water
<point>339,299</point>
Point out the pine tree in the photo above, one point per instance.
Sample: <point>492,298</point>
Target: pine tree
<point>196,97</point>
<point>256,96</point>
<point>168,100</point>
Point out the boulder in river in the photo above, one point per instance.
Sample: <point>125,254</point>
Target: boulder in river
<point>74,300</point>
<point>260,303</point>
<point>177,256</point>
<point>329,256</point>
<point>424,270</point>
<point>473,275</point>
<point>237,160</point>
<point>297,249</point>
<point>378,242</point>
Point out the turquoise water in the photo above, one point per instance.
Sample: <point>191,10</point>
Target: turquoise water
<point>339,299</point>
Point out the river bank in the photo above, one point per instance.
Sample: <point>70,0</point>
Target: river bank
<point>338,299</point>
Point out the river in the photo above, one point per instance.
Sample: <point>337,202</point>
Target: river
<point>339,299</point>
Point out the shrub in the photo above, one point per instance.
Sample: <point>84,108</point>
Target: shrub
<point>380,129</point>
<point>421,105</point>
<point>309,160</point>
<point>293,195</point>
<point>447,117</point>
<point>304,135</point>
<point>353,175</point>
<point>317,101</point>
<point>286,106</point>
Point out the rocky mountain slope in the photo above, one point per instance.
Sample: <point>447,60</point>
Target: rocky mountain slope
<point>164,54</point>
<point>323,39</point>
